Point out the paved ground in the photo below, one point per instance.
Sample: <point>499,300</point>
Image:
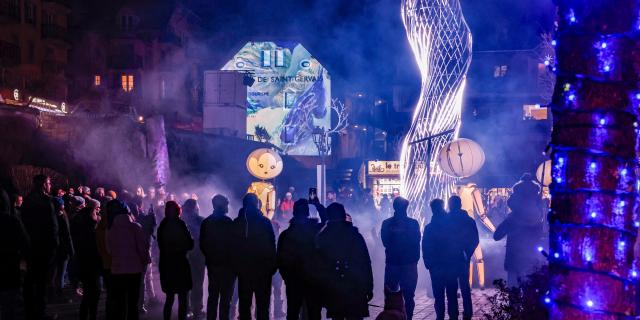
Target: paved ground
<point>67,308</point>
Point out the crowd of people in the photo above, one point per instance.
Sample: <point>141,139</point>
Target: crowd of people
<point>104,242</point>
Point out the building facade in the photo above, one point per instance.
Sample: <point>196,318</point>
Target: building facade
<point>34,46</point>
<point>143,58</point>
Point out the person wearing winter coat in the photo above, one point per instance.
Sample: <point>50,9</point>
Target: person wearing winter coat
<point>105,257</point>
<point>344,267</point>
<point>174,243</point>
<point>149,223</point>
<point>65,251</point>
<point>441,259</point>
<point>14,245</point>
<point>523,229</point>
<point>254,258</point>
<point>464,241</point>
<point>196,258</point>
<point>129,250</point>
<point>401,239</point>
<point>88,261</point>
<point>296,246</point>
<point>41,223</point>
<point>216,240</point>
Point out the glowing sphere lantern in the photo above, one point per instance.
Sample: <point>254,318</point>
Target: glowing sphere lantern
<point>544,179</point>
<point>461,158</point>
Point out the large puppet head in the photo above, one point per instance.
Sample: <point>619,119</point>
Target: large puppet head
<point>264,164</point>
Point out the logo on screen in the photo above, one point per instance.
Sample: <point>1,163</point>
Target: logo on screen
<point>305,64</point>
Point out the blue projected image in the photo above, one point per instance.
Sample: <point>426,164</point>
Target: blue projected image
<point>290,96</point>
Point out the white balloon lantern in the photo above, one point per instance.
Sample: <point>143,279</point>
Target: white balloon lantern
<point>546,168</point>
<point>461,158</point>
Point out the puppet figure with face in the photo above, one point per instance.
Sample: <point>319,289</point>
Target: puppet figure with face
<point>264,164</point>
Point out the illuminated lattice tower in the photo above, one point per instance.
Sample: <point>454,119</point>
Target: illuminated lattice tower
<point>441,43</point>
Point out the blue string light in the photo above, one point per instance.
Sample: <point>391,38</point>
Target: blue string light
<point>590,303</point>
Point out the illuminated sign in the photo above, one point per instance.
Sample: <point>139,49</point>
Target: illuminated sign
<point>383,168</point>
<point>290,96</point>
<point>41,104</point>
<point>47,105</point>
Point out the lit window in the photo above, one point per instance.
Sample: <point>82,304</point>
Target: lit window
<point>534,112</point>
<point>266,58</point>
<point>500,71</point>
<point>96,80</point>
<point>127,82</point>
<point>289,100</point>
<point>279,58</point>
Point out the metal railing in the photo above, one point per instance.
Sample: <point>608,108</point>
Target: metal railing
<point>54,31</point>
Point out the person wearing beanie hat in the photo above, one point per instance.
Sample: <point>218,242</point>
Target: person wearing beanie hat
<point>88,262</point>
<point>64,252</point>
<point>344,267</point>
<point>295,256</point>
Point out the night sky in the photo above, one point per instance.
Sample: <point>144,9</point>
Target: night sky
<point>363,42</point>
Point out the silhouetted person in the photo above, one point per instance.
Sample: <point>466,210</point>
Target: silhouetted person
<point>196,258</point>
<point>101,241</point>
<point>216,240</point>
<point>344,267</point>
<point>442,261</point>
<point>401,239</point>
<point>385,206</point>
<point>14,244</point>
<point>149,222</point>
<point>296,247</point>
<point>88,261</point>
<point>40,221</point>
<point>465,240</point>
<point>129,250</point>
<point>174,242</point>
<point>64,252</point>
<point>523,229</point>
<point>254,258</point>
<point>276,280</point>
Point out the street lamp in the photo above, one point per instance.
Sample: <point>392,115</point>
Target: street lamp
<point>321,140</point>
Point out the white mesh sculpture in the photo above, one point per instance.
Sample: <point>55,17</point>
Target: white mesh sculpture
<point>441,43</point>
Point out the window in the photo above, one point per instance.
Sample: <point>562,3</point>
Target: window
<point>289,100</point>
<point>163,88</point>
<point>126,23</point>
<point>97,80</point>
<point>266,58</point>
<point>30,12</point>
<point>49,18</point>
<point>127,82</point>
<point>279,58</point>
<point>534,112</point>
<point>31,54</point>
<point>500,71</point>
